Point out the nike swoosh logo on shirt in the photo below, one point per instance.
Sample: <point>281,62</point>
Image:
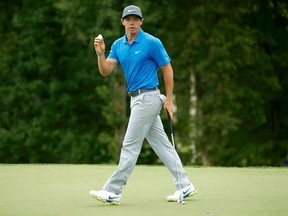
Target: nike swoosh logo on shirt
<point>137,52</point>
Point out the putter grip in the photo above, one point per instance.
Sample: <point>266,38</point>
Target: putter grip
<point>170,122</point>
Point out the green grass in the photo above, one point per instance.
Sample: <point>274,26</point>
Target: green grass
<point>63,190</point>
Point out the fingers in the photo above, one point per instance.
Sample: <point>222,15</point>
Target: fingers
<point>170,112</point>
<point>97,41</point>
<point>99,38</point>
<point>171,116</point>
<point>99,44</point>
<point>168,106</point>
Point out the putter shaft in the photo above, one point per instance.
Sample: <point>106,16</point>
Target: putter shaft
<point>180,200</point>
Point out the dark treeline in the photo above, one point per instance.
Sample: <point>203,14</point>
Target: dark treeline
<point>230,61</point>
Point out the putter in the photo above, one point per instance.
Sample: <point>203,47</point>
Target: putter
<point>180,200</point>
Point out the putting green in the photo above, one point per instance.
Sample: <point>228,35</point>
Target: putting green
<point>54,190</point>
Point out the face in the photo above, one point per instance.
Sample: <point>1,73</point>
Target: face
<point>132,24</point>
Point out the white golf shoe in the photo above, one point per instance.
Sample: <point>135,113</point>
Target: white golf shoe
<point>186,192</point>
<point>105,196</point>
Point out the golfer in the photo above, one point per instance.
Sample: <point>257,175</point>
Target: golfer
<point>140,56</point>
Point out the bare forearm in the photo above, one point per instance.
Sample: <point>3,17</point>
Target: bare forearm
<point>169,82</point>
<point>104,66</point>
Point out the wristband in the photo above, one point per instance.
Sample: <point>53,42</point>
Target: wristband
<point>101,53</point>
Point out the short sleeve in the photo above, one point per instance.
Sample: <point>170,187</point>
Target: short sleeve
<point>159,54</point>
<point>113,53</point>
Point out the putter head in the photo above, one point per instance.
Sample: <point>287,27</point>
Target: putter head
<point>181,202</point>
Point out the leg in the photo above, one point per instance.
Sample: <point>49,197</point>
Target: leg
<point>129,154</point>
<point>144,109</point>
<point>160,143</point>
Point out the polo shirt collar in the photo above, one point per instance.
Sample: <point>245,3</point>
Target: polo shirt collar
<point>138,37</point>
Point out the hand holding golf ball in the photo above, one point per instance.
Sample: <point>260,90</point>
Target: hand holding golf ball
<point>99,45</point>
<point>100,37</point>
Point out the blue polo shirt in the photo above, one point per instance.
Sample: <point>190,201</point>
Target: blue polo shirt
<point>140,60</point>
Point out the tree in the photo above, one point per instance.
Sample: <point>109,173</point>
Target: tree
<point>49,103</point>
<point>229,60</point>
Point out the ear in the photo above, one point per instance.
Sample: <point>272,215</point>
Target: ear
<point>122,21</point>
<point>142,20</point>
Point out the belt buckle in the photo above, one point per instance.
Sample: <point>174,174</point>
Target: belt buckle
<point>135,93</point>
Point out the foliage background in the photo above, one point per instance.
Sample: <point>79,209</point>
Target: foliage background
<point>230,65</point>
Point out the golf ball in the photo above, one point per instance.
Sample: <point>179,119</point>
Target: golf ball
<point>100,37</point>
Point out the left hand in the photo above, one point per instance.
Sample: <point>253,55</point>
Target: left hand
<point>169,107</point>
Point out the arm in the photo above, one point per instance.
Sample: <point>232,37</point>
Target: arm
<point>106,66</point>
<point>168,79</point>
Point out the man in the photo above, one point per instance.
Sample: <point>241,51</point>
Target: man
<point>140,56</point>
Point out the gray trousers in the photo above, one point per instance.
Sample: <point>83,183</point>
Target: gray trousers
<point>144,123</point>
